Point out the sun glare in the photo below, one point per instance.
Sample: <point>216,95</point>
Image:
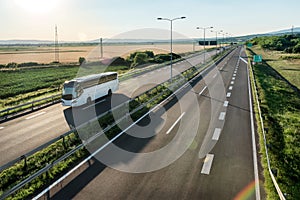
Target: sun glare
<point>37,6</point>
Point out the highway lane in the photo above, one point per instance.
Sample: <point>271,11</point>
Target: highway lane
<point>226,174</point>
<point>20,135</point>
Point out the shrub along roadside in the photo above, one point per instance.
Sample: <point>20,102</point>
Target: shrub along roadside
<point>17,173</point>
<point>280,107</point>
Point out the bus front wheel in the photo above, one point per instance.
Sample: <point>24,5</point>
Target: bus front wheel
<point>109,93</point>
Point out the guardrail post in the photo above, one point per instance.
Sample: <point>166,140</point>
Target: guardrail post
<point>32,106</point>
<point>64,142</point>
<point>25,162</point>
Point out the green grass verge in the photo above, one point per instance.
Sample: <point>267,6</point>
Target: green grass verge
<point>280,107</point>
<point>288,65</point>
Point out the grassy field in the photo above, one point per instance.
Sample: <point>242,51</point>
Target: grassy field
<point>288,65</point>
<point>70,54</point>
<point>21,85</point>
<point>280,106</point>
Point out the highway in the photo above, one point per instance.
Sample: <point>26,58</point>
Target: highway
<point>200,145</point>
<point>21,135</point>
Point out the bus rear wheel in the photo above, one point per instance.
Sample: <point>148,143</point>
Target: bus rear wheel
<point>89,101</point>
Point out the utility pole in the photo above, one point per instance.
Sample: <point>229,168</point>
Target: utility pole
<point>56,46</point>
<point>293,30</point>
<point>101,48</point>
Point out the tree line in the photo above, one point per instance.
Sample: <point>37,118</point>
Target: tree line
<point>286,43</point>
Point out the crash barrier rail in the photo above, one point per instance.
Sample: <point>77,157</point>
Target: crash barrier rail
<point>40,103</point>
<point>279,192</point>
<point>30,106</point>
<point>204,70</point>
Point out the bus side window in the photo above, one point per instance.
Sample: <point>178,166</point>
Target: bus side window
<point>79,90</point>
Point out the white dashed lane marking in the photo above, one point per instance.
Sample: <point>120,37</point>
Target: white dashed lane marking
<point>207,164</point>
<point>175,123</point>
<point>222,115</point>
<point>225,103</point>
<point>202,90</point>
<point>36,115</point>
<point>216,134</point>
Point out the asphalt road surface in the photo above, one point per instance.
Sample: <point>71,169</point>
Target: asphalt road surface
<point>197,146</point>
<point>21,135</point>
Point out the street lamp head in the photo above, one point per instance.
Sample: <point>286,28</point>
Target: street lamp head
<point>159,18</point>
<point>183,17</point>
<point>211,27</point>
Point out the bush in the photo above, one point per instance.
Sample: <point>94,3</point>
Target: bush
<point>119,61</point>
<point>12,65</point>
<point>82,60</point>
<point>139,59</point>
<point>28,64</point>
<point>296,49</point>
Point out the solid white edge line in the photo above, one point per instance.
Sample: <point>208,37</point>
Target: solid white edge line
<point>225,103</point>
<point>170,129</point>
<point>207,164</point>
<point>222,115</point>
<point>202,90</point>
<point>216,134</point>
<point>36,115</point>
<point>257,191</point>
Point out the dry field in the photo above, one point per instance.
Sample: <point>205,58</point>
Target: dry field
<point>70,54</point>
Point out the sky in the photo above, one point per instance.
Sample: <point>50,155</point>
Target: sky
<point>80,20</point>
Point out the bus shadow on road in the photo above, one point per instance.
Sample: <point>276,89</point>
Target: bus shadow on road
<point>78,115</point>
<point>134,142</point>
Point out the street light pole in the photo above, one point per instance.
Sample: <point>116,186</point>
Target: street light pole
<point>216,40</point>
<point>204,28</point>
<point>171,42</point>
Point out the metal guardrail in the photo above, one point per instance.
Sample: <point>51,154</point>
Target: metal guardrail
<point>204,71</point>
<point>46,168</point>
<point>30,106</point>
<point>23,157</point>
<point>49,166</point>
<point>279,192</point>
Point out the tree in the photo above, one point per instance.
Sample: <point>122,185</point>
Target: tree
<point>139,59</point>
<point>82,60</point>
<point>12,65</point>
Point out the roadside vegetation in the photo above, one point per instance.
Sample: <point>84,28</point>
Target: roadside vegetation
<point>280,106</point>
<point>26,82</point>
<point>137,107</point>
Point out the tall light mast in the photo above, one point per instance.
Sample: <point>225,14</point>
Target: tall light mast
<point>56,46</point>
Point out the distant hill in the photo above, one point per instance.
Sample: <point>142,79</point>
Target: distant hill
<point>115,41</point>
<point>285,31</point>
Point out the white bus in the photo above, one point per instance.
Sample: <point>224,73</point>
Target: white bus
<point>84,90</point>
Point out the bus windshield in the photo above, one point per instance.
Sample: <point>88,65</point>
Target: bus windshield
<point>70,91</point>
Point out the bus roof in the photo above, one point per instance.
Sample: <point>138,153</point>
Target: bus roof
<point>90,77</point>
